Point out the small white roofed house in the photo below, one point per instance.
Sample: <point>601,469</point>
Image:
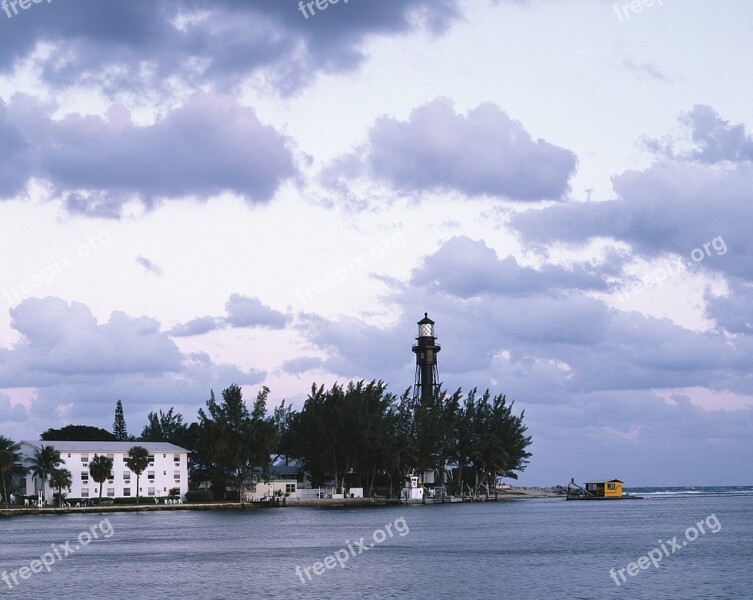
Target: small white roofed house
<point>167,470</point>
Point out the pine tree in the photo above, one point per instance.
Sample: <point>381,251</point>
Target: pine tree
<point>119,429</point>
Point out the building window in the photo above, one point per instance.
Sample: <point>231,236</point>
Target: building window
<point>164,456</point>
<point>111,457</point>
<point>84,492</point>
<point>151,460</point>
<point>150,491</point>
<point>611,487</point>
<point>110,492</point>
<point>84,477</point>
<point>176,458</point>
<point>176,476</point>
<point>69,455</point>
<point>126,491</point>
<point>290,488</point>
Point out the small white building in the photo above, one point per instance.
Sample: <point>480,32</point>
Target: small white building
<point>166,471</point>
<point>272,489</point>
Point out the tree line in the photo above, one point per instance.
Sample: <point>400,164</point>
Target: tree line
<point>354,435</point>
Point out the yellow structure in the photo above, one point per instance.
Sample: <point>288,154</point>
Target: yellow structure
<point>611,488</point>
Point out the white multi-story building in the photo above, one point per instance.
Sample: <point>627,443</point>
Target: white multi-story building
<point>167,469</point>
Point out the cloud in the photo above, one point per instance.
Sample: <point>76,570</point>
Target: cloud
<point>14,168</point>
<point>716,139</point>
<point>465,268</point>
<point>62,339</point>
<point>483,153</point>
<point>131,46</point>
<point>678,205</point>
<point>79,367</point>
<point>208,146</point>
<point>149,266</point>
<point>733,311</point>
<point>241,311</point>
<point>198,326</point>
<point>645,70</point>
<point>11,413</point>
<point>296,366</point>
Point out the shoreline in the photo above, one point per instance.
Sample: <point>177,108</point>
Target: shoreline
<point>503,495</point>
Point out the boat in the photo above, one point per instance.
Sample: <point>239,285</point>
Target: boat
<point>599,489</point>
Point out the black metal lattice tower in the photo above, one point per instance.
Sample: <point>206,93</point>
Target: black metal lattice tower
<point>426,349</point>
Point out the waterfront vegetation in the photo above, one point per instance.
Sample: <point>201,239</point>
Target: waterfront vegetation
<point>354,435</point>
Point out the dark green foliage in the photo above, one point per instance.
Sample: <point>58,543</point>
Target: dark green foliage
<point>357,435</point>
<point>362,435</point>
<point>199,496</point>
<point>234,445</point>
<point>78,433</point>
<point>137,461</point>
<point>44,462</point>
<point>100,468</point>
<point>165,427</point>
<point>11,463</point>
<point>60,478</point>
<point>119,429</point>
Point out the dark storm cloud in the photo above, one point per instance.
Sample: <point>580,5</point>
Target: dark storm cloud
<point>482,153</point>
<point>126,45</point>
<point>465,268</point>
<point>241,311</point>
<point>209,145</point>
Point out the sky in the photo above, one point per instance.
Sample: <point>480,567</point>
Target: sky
<point>269,193</point>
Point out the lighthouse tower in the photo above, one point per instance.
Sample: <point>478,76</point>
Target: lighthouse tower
<point>426,349</point>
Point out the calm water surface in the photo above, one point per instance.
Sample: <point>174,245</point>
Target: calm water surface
<point>545,549</point>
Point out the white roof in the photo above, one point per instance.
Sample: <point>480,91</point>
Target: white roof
<point>105,447</point>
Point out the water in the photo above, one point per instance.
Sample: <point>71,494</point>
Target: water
<point>537,549</point>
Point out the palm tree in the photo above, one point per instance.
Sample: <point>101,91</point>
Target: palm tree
<point>100,468</point>
<point>11,462</point>
<point>45,460</point>
<point>61,478</point>
<point>137,461</point>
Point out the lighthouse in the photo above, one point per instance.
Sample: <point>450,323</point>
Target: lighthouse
<point>426,349</point>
